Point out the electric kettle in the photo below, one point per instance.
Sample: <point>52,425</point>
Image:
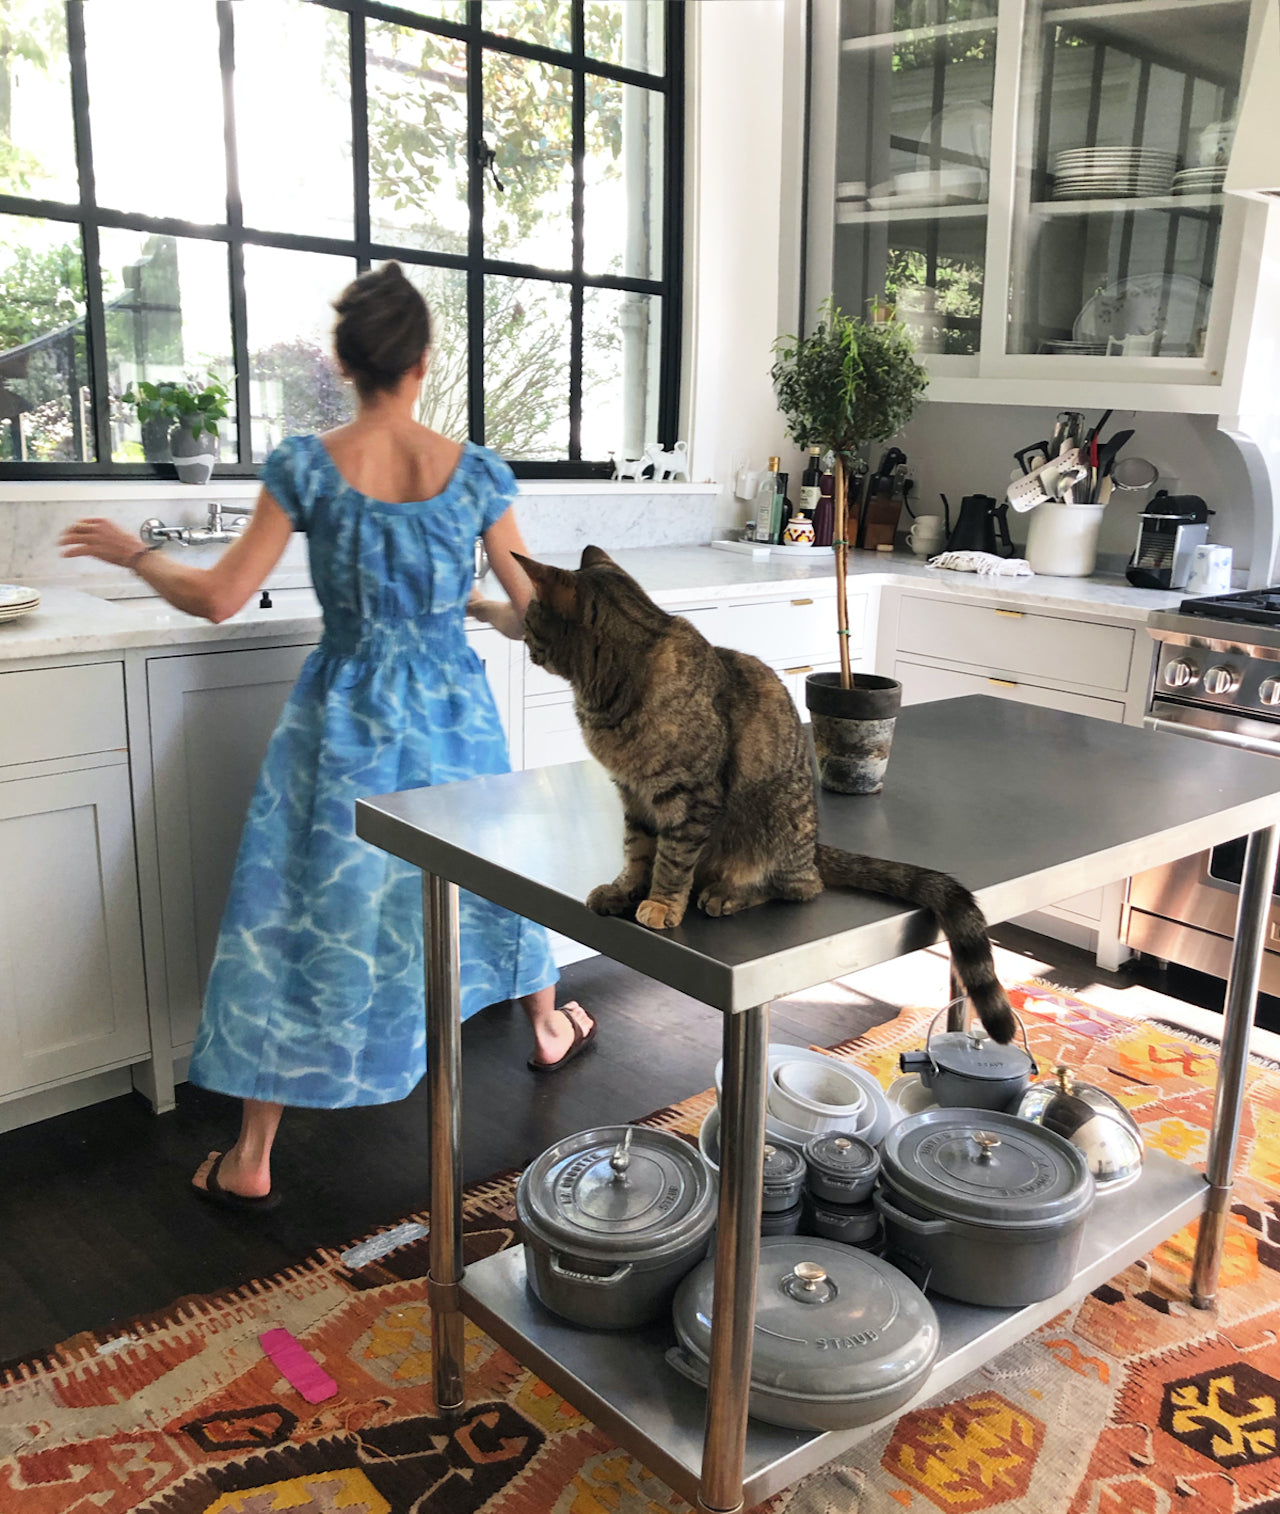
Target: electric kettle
<point>976,526</point>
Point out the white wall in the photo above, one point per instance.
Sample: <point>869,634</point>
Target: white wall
<point>743,158</point>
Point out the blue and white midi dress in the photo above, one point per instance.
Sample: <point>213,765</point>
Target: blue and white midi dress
<point>316,993</point>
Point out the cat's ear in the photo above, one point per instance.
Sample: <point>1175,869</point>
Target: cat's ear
<point>596,557</point>
<point>554,587</point>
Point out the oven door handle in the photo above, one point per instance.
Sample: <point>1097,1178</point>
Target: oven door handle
<point>1221,738</point>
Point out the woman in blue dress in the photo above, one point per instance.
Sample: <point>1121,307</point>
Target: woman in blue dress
<point>315,997</point>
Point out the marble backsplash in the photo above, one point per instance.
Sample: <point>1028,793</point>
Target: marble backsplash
<point>609,515</point>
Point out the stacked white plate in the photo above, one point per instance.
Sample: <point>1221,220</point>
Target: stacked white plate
<point>17,599</point>
<point>1200,181</point>
<point>1104,173</point>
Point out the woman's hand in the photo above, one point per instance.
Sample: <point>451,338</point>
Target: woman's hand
<point>104,540</point>
<point>498,613</point>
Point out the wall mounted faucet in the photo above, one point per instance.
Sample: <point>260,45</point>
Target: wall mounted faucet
<point>220,527</point>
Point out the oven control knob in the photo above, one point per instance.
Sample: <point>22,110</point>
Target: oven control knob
<point>1222,680</point>
<point>1179,674</point>
<point>1269,691</point>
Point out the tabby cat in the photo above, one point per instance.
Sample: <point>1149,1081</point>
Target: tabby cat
<point>713,765</point>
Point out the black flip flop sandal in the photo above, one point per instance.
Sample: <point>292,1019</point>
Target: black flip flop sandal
<point>237,1203</point>
<point>581,1040</point>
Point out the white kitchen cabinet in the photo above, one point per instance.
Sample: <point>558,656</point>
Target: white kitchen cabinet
<point>940,152</point>
<point>72,998</point>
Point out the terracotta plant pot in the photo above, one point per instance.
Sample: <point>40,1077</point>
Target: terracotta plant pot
<point>193,456</point>
<point>852,729</point>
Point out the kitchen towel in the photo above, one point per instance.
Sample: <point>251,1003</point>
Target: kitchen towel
<point>983,562</point>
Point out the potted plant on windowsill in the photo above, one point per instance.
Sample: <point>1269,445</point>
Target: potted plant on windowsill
<point>844,385</point>
<point>191,411</point>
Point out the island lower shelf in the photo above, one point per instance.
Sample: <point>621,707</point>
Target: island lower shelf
<point>622,1383</point>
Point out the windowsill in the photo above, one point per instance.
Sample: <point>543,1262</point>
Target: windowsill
<point>26,491</point>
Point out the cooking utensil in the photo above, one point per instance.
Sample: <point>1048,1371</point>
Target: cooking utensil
<point>1134,473</point>
<point>1091,1119</point>
<point>1032,457</point>
<point>1068,431</point>
<point>611,1219</point>
<point>1026,493</point>
<point>990,1207</point>
<point>967,1069</point>
<point>814,1297</point>
<point>1109,449</point>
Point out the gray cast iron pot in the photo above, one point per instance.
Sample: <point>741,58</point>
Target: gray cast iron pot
<point>983,1207</point>
<point>612,1219</point>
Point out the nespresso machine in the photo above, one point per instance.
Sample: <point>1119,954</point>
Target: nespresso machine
<point>1169,531</point>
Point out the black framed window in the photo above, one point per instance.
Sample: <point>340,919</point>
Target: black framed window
<point>184,189</point>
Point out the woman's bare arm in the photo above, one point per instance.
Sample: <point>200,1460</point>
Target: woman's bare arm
<point>214,593</point>
<point>500,541</point>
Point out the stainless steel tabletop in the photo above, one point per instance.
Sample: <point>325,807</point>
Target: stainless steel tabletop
<point>1024,806</point>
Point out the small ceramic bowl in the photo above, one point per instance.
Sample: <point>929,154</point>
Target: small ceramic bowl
<point>816,1097</point>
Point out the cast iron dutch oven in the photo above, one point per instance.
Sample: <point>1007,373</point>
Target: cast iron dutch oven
<point>841,1338</point>
<point>966,1069</point>
<point>990,1209</point>
<point>612,1219</point>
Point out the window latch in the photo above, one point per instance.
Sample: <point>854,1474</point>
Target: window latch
<point>485,159</point>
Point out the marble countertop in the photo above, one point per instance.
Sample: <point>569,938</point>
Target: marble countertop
<point>73,622</point>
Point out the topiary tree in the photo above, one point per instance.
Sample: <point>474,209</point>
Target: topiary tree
<point>846,384</point>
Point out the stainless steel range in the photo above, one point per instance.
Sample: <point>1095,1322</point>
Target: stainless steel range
<point>1217,677</point>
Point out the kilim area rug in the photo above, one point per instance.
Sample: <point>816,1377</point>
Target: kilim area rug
<point>1130,1402</point>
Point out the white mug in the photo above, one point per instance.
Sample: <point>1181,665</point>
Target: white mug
<point>1210,570</point>
<point>925,536</point>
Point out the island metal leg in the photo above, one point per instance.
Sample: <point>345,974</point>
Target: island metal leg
<point>444,1103</point>
<point>1256,883</point>
<point>742,1140</point>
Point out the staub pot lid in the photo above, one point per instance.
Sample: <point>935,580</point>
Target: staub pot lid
<point>783,1166</point>
<point>618,1190</point>
<point>841,1156</point>
<point>832,1322</point>
<point>973,1054</point>
<point>986,1168</point>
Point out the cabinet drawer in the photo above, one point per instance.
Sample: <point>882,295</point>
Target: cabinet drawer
<point>781,630</point>
<point>1066,651</point>
<point>538,681</point>
<point>552,734</point>
<point>61,712</point>
<point>922,683</point>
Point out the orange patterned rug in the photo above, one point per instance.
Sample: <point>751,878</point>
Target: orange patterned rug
<point>1131,1402</point>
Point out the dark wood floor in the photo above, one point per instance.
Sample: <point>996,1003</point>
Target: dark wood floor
<point>99,1226</point>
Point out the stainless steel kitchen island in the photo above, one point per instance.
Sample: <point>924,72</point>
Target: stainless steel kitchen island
<point>1025,806</point>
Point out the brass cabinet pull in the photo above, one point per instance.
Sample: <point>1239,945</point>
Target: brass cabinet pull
<point>1004,683</point>
<point>808,669</point>
<point>802,601</point>
<point>1012,614</point>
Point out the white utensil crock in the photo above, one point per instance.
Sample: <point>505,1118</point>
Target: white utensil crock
<point>1062,540</point>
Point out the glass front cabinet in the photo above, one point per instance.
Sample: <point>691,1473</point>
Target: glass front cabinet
<point>1036,190</point>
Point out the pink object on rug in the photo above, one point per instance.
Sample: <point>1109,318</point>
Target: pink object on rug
<point>298,1365</point>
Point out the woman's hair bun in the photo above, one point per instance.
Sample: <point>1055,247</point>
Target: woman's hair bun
<point>382,330</point>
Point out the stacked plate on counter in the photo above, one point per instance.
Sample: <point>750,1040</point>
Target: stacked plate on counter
<point>1200,181</point>
<point>17,599</point>
<point>1104,173</point>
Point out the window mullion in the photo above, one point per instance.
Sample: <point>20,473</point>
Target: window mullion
<point>235,222</point>
<point>360,137</point>
<point>475,237</point>
<point>95,315</point>
<point>673,226</point>
<point>579,128</point>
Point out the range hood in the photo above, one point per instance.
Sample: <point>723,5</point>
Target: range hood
<point>1254,169</point>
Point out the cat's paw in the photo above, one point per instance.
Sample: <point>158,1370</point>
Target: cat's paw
<point>660,914</point>
<point>714,901</point>
<point>609,899</point>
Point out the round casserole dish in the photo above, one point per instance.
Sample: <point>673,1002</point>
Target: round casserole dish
<point>985,1207</point>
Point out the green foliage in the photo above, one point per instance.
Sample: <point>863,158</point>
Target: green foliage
<point>846,383</point>
<point>197,406</point>
<point>40,292</point>
<point>312,395</point>
<point>958,282</point>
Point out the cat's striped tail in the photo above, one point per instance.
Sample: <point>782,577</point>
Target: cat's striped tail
<point>956,912</point>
